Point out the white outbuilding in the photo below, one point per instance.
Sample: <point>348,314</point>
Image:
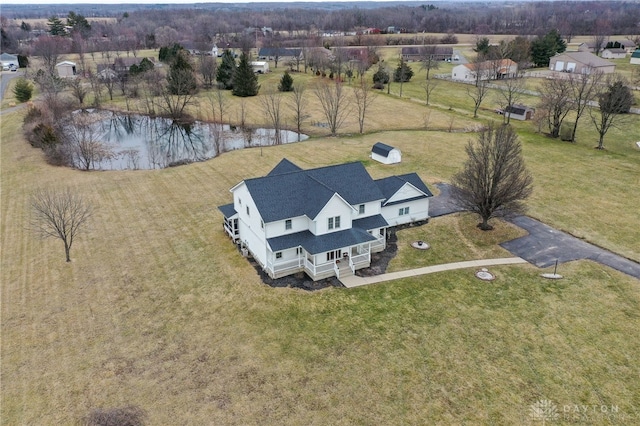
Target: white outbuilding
<point>260,67</point>
<point>385,154</point>
<point>66,69</point>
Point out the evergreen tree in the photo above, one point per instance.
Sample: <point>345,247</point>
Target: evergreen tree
<point>543,48</point>
<point>286,83</point>
<point>25,27</point>
<point>245,82</point>
<point>144,66</point>
<point>78,23</point>
<point>403,73</point>
<point>226,70</point>
<point>56,27</point>
<point>168,53</point>
<point>381,77</point>
<point>617,99</point>
<point>482,46</point>
<point>23,90</point>
<point>181,78</point>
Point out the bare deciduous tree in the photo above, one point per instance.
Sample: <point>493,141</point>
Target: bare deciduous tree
<point>334,102</point>
<point>59,214</point>
<point>271,102</point>
<point>494,180</point>
<point>509,93</point>
<point>82,144</point>
<point>78,89</point>
<point>298,105</point>
<point>584,87</point>
<point>556,98</point>
<point>478,93</point>
<point>364,97</point>
<point>429,86</point>
<point>208,68</point>
<point>429,60</point>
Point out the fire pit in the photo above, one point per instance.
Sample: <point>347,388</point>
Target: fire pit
<point>420,245</point>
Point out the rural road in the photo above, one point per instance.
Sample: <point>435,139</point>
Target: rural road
<point>5,78</point>
<point>544,244</point>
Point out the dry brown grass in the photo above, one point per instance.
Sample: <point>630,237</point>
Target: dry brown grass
<point>159,310</point>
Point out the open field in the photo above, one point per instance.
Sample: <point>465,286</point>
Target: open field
<point>159,310</point>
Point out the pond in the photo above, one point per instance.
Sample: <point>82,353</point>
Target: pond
<point>107,140</point>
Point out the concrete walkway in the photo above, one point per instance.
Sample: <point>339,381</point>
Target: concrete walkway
<point>355,281</point>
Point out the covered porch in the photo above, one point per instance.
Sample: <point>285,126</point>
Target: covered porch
<point>230,224</point>
<point>320,257</point>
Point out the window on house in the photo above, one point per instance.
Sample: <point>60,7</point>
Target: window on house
<point>298,250</point>
<point>240,201</point>
<point>287,224</point>
<point>403,211</point>
<point>361,209</point>
<point>334,222</point>
<point>248,214</point>
<point>279,255</point>
<point>261,224</point>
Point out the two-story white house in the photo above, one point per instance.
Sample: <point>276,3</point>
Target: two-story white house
<point>325,221</point>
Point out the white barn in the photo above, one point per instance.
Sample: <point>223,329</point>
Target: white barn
<point>260,67</point>
<point>385,154</point>
<point>66,69</point>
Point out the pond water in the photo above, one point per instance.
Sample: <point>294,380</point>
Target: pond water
<point>129,141</point>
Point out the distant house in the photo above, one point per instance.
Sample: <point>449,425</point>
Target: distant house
<point>635,57</point>
<point>580,62</point>
<point>488,70</point>
<point>200,48</point>
<point>324,222</point>
<point>419,53</point>
<point>8,60</point>
<point>280,53</point>
<point>614,53</point>
<point>66,69</point>
<point>626,44</point>
<point>519,112</point>
<point>587,47</point>
<point>260,67</point>
<point>385,154</point>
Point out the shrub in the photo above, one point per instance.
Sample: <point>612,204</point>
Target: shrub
<point>286,83</point>
<point>23,90</point>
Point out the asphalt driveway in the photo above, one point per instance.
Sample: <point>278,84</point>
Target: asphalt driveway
<point>544,244</point>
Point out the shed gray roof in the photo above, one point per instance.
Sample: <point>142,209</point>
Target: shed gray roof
<point>285,195</point>
<point>382,149</point>
<point>618,50</point>
<point>586,58</point>
<point>390,185</point>
<point>315,244</point>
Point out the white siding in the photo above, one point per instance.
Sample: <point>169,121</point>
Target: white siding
<point>252,234</point>
<point>407,191</point>
<point>418,210</point>
<point>370,209</point>
<point>275,229</point>
<point>335,207</point>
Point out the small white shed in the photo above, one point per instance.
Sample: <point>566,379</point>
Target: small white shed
<point>260,67</point>
<point>635,57</point>
<point>66,69</point>
<point>385,154</point>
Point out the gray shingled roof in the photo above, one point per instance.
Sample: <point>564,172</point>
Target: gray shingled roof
<point>284,166</point>
<point>278,51</point>
<point>227,210</point>
<point>382,149</point>
<point>371,222</point>
<point>305,192</point>
<point>315,244</point>
<point>390,185</point>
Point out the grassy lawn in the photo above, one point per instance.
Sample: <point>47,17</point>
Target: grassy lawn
<point>159,310</point>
